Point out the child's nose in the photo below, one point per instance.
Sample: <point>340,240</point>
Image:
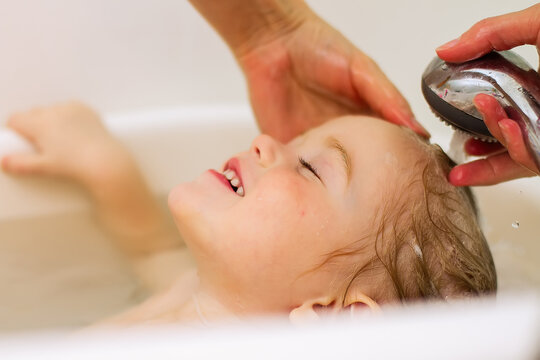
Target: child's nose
<point>266,149</point>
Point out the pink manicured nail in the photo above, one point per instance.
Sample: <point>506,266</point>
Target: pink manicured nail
<point>448,44</point>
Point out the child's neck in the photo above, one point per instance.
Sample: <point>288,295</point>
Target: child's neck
<point>185,303</point>
<point>205,309</point>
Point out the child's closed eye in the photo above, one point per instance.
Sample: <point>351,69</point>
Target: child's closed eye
<point>310,167</point>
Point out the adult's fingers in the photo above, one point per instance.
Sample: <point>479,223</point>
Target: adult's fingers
<point>505,130</point>
<point>516,146</point>
<point>492,112</point>
<point>496,33</point>
<point>381,95</point>
<point>491,170</point>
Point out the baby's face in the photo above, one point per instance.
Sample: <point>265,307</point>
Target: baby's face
<point>261,251</point>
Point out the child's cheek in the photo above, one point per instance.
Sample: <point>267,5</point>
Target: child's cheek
<point>287,209</point>
<point>282,197</point>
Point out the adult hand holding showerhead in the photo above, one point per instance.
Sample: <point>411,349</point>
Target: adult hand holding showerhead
<point>496,33</point>
<point>509,159</point>
<point>300,71</point>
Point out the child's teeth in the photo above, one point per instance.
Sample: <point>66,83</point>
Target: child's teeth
<point>231,176</point>
<point>240,191</point>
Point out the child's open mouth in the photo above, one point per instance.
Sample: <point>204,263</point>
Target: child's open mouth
<point>232,173</point>
<point>234,180</point>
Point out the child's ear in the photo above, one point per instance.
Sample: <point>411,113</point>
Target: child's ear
<point>356,303</point>
<point>312,310</point>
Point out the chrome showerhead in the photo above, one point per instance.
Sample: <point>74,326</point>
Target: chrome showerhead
<point>450,88</point>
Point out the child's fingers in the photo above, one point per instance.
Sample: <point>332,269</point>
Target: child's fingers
<point>515,144</point>
<point>491,170</point>
<point>22,124</point>
<point>492,112</point>
<point>24,164</point>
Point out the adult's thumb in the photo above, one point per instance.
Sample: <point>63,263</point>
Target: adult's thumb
<point>502,32</point>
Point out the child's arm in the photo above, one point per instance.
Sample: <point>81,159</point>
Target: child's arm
<point>72,143</point>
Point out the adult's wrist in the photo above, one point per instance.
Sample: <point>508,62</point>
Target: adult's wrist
<point>247,24</point>
<point>276,18</point>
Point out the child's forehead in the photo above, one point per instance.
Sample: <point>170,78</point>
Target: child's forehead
<point>357,125</point>
<point>363,136</point>
<point>385,151</point>
<point>356,131</point>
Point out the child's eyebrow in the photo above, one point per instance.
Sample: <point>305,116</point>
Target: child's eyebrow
<point>334,144</point>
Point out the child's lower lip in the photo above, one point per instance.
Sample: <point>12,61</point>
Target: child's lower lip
<point>221,178</point>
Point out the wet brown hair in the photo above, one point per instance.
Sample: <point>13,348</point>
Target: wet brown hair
<point>428,242</point>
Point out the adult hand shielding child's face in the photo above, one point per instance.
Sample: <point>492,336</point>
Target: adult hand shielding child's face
<point>311,74</point>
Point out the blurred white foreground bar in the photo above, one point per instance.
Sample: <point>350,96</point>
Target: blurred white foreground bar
<point>507,328</point>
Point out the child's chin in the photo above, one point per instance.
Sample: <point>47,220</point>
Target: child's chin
<point>178,200</point>
<point>188,202</point>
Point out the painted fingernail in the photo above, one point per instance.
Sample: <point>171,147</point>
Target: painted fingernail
<point>448,45</point>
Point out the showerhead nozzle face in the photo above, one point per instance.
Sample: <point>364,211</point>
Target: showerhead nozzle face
<point>450,89</point>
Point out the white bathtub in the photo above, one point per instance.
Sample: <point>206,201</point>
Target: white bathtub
<point>172,93</point>
<point>58,271</point>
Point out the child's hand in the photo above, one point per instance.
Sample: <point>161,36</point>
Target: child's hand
<point>70,141</point>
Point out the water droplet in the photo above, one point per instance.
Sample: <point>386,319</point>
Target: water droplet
<point>515,224</point>
<point>444,67</point>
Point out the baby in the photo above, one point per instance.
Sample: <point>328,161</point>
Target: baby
<point>352,214</point>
